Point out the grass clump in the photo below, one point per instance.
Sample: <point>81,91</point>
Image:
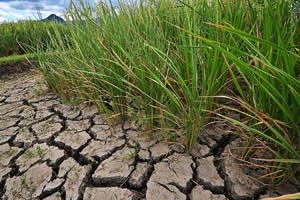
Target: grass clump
<point>172,65</point>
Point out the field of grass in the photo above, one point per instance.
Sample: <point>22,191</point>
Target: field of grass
<point>26,36</point>
<point>175,66</point>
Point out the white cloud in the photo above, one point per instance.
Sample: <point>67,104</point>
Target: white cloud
<point>13,10</point>
<point>2,19</point>
<point>28,9</point>
<point>4,5</point>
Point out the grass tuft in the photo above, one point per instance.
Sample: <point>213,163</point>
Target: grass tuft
<point>172,65</point>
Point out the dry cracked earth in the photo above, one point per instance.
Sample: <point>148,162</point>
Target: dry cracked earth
<point>53,151</point>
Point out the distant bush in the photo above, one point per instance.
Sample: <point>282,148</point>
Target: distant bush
<point>27,36</point>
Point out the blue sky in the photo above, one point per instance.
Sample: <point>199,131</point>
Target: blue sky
<point>12,10</point>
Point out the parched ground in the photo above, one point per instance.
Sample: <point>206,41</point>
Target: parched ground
<point>53,151</point>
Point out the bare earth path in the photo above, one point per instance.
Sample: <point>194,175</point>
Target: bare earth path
<point>49,150</point>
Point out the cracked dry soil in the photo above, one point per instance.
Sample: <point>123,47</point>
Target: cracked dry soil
<point>53,151</point>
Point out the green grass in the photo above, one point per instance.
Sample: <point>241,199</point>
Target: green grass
<point>25,57</point>
<point>182,64</point>
<point>26,36</point>
<point>17,58</point>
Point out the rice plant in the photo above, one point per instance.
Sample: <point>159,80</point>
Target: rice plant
<point>166,64</point>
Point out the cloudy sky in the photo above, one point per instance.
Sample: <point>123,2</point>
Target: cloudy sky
<point>12,10</point>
